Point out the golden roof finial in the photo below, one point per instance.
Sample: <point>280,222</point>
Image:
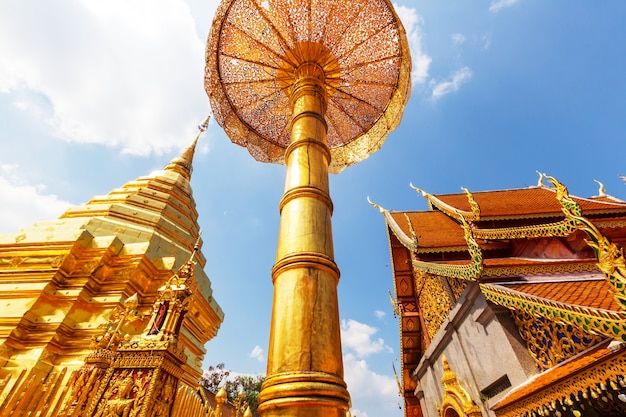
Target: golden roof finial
<point>419,190</point>
<point>395,374</point>
<point>473,204</point>
<point>394,304</point>
<point>601,190</point>
<point>382,210</point>
<point>540,181</point>
<point>183,163</point>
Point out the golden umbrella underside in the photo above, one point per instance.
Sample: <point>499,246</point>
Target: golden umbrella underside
<point>255,47</point>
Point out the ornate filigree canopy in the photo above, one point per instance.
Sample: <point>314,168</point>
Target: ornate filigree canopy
<point>255,47</point>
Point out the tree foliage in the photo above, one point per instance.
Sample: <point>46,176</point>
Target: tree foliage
<point>240,388</point>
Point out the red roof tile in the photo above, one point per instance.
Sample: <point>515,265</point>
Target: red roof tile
<point>525,202</point>
<point>595,294</point>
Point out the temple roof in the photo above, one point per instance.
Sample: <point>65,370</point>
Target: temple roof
<point>440,231</point>
<point>527,203</point>
<point>528,249</point>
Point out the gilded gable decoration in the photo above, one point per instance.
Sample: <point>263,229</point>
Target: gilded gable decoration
<point>456,402</point>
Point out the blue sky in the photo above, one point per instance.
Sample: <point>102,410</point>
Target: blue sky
<point>95,94</point>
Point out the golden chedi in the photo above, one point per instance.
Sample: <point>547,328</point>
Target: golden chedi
<point>62,283</point>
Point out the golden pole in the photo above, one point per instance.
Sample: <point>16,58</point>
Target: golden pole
<point>276,72</point>
<point>305,369</point>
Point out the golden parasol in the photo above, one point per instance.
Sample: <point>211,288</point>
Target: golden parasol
<point>255,46</point>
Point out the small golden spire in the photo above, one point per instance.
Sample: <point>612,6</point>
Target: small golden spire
<point>221,395</point>
<point>183,163</point>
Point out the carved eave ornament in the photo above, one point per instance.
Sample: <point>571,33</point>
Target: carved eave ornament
<point>410,242</point>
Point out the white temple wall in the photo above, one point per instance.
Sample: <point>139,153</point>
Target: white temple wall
<point>483,349</point>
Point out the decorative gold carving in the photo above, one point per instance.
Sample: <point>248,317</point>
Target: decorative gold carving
<point>549,342</point>
<point>470,271</point>
<point>566,395</point>
<point>420,279</point>
<point>560,228</point>
<point>455,397</point>
<point>436,301</point>
<point>395,374</point>
<point>610,256</point>
<point>394,305</point>
<point>473,204</point>
<point>125,394</point>
<point>457,286</point>
<point>166,388</point>
<point>241,405</point>
<point>16,261</point>
<point>448,209</point>
<point>546,268</point>
<point>31,261</point>
<point>82,385</point>
<point>592,320</point>
<point>111,336</point>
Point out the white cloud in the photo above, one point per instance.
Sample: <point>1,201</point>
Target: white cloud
<point>24,204</point>
<point>119,73</point>
<point>458,38</point>
<point>369,390</point>
<point>357,336</point>
<point>453,84</point>
<point>498,5</point>
<point>486,41</point>
<point>420,60</point>
<point>258,353</point>
<point>380,314</point>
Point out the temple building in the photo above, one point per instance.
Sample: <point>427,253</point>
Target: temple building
<point>106,310</point>
<point>511,303</point>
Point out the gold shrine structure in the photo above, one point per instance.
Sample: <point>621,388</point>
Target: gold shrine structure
<point>511,303</point>
<point>316,85</point>
<point>106,311</point>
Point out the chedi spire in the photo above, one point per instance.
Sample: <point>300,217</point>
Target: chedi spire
<point>183,163</point>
